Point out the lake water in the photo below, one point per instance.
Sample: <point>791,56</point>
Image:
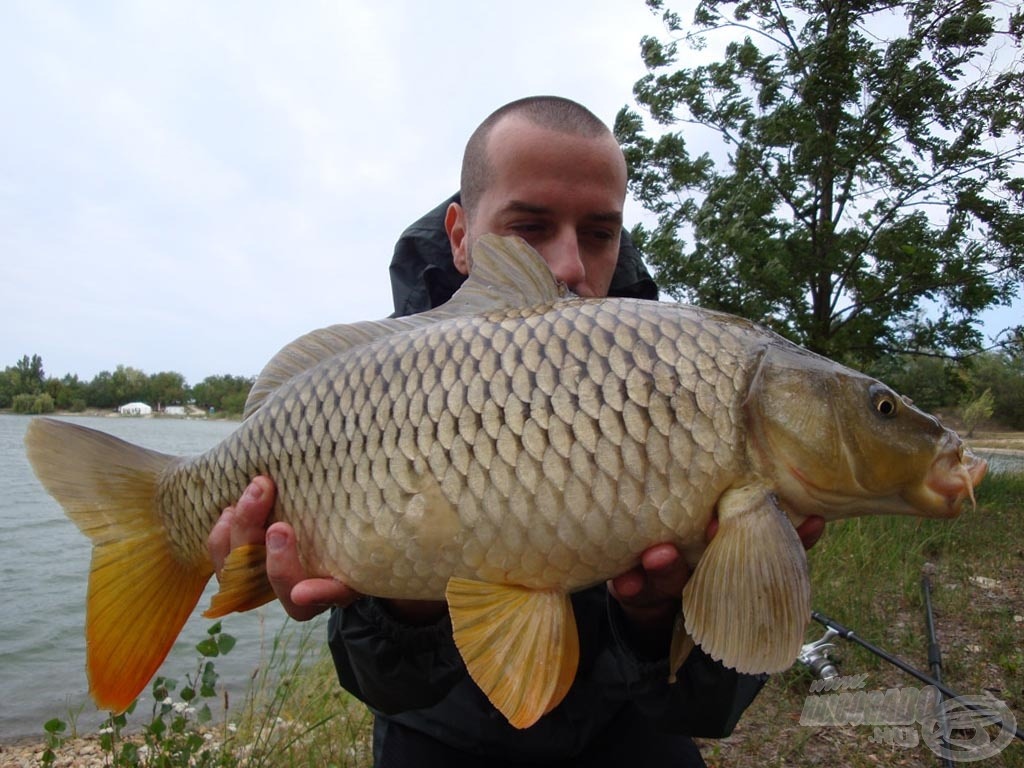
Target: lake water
<point>1003,461</point>
<point>44,567</point>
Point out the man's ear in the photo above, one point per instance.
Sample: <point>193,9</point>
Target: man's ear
<point>457,227</point>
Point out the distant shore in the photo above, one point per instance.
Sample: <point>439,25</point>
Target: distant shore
<point>113,414</point>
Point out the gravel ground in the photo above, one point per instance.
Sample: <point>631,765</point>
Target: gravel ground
<point>79,753</point>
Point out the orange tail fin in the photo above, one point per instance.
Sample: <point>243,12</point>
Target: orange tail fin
<point>140,592</point>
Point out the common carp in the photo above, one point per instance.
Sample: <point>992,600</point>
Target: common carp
<point>500,452</point>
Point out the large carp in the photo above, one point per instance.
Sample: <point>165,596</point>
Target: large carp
<point>501,452</point>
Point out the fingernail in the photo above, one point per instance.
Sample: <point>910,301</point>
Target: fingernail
<point>276,541</point>
<point>254,491</point>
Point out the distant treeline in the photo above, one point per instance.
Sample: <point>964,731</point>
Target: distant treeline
<point>986,385</point>
<point>25,388</point>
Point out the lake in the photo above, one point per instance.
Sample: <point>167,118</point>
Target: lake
<point>44,568</point>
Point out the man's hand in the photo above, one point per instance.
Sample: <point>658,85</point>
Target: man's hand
<point>651,592</point>
<point>245,523</point>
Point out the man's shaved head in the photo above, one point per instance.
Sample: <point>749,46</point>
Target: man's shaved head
<point>552,112</point>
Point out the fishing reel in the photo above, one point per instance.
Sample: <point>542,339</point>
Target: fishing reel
<point>815,656</point>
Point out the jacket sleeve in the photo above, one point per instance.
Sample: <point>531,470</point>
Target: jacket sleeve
<point>707,699</point>
<point>388,665</point>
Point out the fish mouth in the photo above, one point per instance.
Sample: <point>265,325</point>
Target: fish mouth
<point>953,476</point>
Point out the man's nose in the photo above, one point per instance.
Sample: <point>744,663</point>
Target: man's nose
<point>565,260</point>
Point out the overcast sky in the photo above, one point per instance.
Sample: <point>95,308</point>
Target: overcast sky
<point>188,186</point>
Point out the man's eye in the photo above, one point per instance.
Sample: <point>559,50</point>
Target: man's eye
<point>527,226</point>
<point>602,235</point>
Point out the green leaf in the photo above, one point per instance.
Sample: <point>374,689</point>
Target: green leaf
<point>55,726</point>
<point>208,648</point>
<point>225,643</point>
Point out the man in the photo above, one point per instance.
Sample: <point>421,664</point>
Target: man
<point>549,171</point>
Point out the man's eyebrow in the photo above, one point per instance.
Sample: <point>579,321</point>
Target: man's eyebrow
<point>520,206</point>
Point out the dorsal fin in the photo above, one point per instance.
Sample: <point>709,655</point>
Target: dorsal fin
<point>316,346</point>
<point>505,272</point>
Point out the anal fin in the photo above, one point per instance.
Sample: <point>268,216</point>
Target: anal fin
<point>243,582</point>
<point>520,645</point>
<point>748,601</point>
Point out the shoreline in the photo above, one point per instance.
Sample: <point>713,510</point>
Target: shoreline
<point>102,413</point>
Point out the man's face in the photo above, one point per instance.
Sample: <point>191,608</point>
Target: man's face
<point>561,193</point>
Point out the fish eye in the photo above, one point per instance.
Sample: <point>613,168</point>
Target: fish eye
<point>884,401</point>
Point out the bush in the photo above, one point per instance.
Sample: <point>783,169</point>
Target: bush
<point>33,404</point>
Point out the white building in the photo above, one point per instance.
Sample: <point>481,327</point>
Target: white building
<point>135,409</point>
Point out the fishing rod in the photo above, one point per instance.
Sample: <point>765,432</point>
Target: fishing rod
<point>935,660</point>
<point>849,634</point>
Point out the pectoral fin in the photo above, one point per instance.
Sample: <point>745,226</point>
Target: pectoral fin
<point>520,645</point>
<point>748,601</point>
<point>243,582</point>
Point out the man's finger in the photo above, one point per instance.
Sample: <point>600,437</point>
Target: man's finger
<point>249,515</point>
<point>302,598</point>
<point>666,571</point>
<point>218,543</point>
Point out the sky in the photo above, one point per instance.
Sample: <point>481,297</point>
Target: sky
<point>188,186</point>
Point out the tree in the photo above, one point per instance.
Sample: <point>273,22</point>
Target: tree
<point>30,371</point>
<point>166,388</point>
<point>1002,374</point>
<point>872,201</point>
<point>222,394</point>
<point>23,378</point>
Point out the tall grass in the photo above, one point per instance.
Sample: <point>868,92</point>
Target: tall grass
<point>296,713</point>
<point>866,570</point>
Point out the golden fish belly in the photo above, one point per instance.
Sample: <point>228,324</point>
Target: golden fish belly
<point>546,449</point>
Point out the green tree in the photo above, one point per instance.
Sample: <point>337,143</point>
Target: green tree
<point>975,411</point>
<point>128,385</point>
<point>224,394</point>
<point>30,372</point>
<point>25,377</point>
<point>1002,373</point>
<point>33,404</point>
<point>932,382</point>
<point>9,384</point>
<point>100,391</point>
<point>871,201</point>
<point>166,388</point>
<point>68,393</point>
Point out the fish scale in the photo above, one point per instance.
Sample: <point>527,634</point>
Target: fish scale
<point>501,452</point>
